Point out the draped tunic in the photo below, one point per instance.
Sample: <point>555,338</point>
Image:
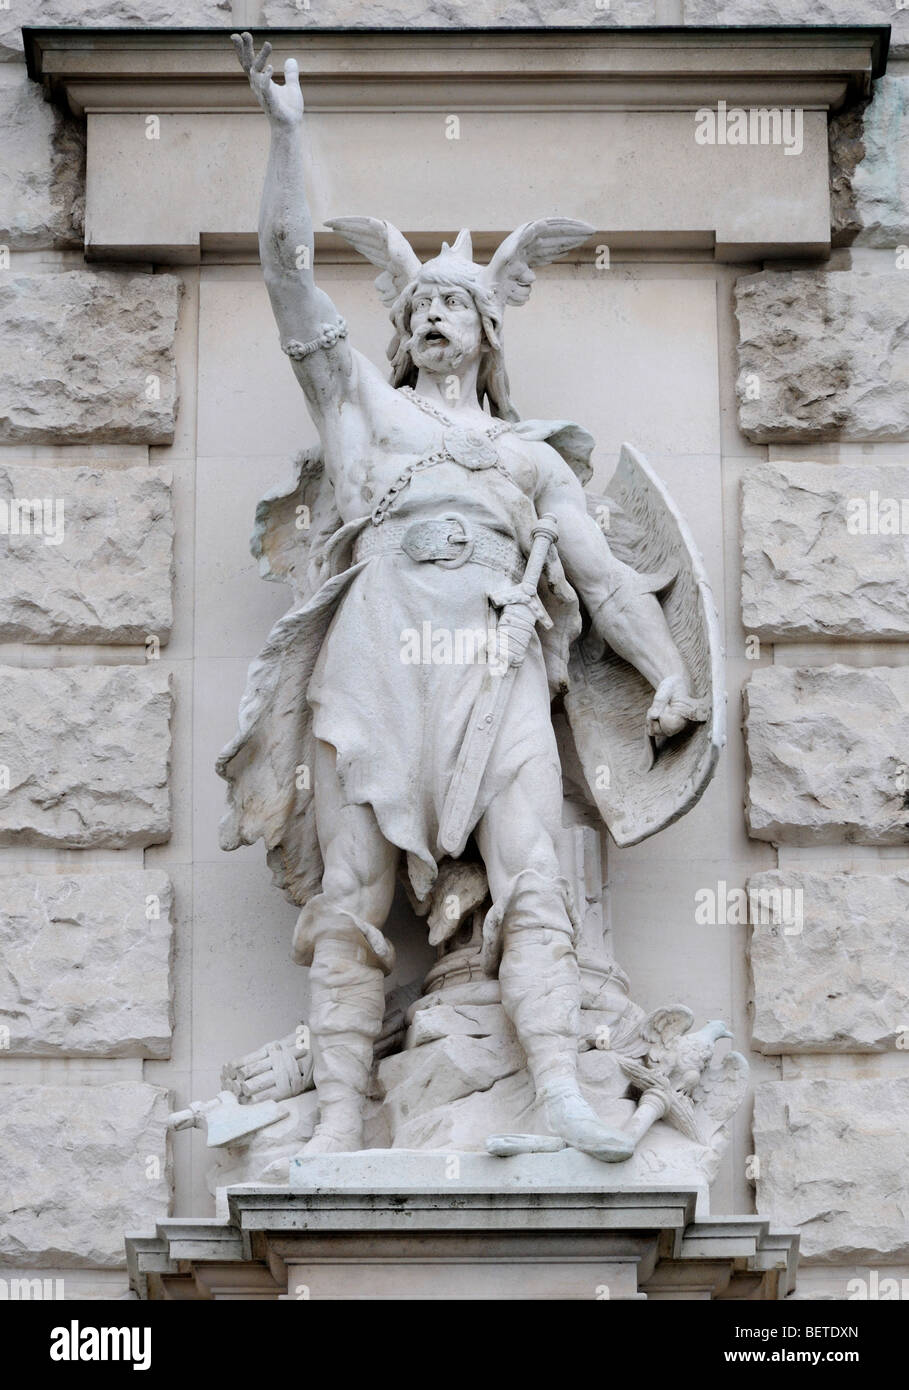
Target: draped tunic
<point>332,667</point>
<point>404,661</point>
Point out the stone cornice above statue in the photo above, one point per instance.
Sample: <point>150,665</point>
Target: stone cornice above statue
<point>175,156</point>
<point>380,69</point>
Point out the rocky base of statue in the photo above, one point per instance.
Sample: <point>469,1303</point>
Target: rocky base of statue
<point>459,1085</point>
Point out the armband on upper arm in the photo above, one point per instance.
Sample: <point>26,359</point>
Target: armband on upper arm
<point>329,337</point>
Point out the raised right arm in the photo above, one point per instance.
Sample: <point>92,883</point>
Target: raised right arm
<point>303,312</point>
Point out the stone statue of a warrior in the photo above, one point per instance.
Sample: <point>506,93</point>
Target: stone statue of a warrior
<point>431,508</point>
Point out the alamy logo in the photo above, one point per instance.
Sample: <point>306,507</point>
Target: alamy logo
<point>875,515</point>
<point>17,1290</point>
<point>75,1343</point>
<point>33,516</point>
<point>758,125</point>
<point>442,646</point>
<point>763,906</point>
<point>876,1289</point>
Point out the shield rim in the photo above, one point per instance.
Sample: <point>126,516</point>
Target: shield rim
<point>693,787</point>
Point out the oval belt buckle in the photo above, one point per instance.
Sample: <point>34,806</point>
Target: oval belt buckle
<point>465,540</point>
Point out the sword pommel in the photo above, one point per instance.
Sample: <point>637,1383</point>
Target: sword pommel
<point>547,526</point>
<point>545,534</point>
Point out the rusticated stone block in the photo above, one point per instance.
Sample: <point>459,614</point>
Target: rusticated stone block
<point>827,755</point>
<point>823,551</point>
<point>832,1165</point>
<point>85,965</point>
<point>823,355</point>
<point>442,14</point>
<point>833,974</point>
<point>42,174</point>
<point>847,150</point>
<point>891,12</point>
<point>144,14</point>
<point>92,561</point>
<point>880,183</point>
<point>81,1166</point>
<point>85,751</point>
<point>88,358</point>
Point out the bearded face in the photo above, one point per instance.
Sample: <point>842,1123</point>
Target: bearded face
<point>446,331</point>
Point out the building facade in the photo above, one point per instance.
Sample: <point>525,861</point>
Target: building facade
<point>742,318</point>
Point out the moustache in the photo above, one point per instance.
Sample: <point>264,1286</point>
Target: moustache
<point>436,337</point>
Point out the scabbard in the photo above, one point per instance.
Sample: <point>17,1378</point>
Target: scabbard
<point>482,731</point>
<point>459,810</point>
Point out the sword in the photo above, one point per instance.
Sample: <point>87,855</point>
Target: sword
<point>488,711</point>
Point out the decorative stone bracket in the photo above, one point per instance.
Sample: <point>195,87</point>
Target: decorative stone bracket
<point>597,124</point>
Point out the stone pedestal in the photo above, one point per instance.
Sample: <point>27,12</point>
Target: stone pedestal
<point>398,1225</point>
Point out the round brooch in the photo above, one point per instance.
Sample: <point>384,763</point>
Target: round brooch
<point>471,448</point>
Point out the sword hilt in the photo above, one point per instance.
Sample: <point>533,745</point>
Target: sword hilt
<point>545,534</point>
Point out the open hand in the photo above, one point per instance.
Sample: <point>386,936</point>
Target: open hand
<point>282,105</point>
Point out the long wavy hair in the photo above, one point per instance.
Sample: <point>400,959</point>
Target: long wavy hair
<point>492,382</point>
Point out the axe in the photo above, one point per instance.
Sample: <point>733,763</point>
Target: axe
<point>225,1119</point>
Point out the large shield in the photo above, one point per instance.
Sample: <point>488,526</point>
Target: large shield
<point>639,786</point>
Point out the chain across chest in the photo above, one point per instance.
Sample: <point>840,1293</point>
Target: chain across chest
<point>473,449</point>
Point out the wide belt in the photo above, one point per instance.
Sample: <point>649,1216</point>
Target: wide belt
<point>449,540</point>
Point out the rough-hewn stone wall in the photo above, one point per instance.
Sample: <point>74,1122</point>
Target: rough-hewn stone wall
<point>825,534</point>
<point>86,608</point>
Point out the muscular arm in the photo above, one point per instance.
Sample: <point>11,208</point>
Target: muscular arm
<point>629,619</point>
<point>300,308</point>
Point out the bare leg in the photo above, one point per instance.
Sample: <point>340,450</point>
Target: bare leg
<point>339,933</point>
<point>539,971</point>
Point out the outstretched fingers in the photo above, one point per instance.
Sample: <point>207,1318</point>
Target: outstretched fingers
<point>263,55</point>
<point>250,61</point>
<point>243,44</point>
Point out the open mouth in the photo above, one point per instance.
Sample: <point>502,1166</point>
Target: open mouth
<point>434,338</point>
